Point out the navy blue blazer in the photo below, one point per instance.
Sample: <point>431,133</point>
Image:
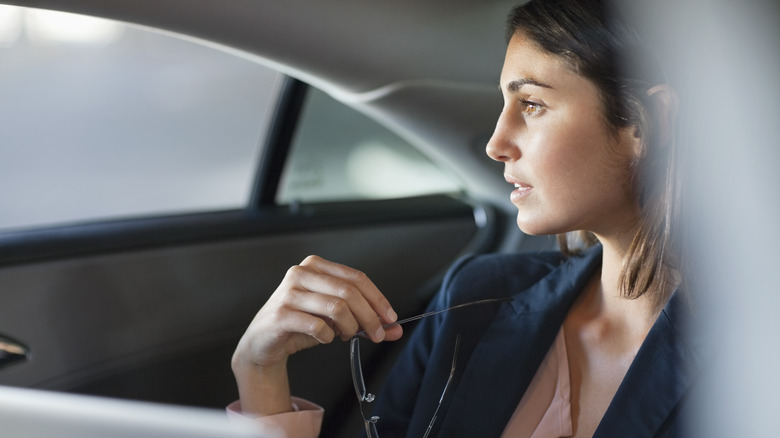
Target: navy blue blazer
<point>502,346</point>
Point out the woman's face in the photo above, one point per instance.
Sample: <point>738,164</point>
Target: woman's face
<point>569,170</point>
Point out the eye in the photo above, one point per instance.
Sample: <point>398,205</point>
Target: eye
<point>531,108</point>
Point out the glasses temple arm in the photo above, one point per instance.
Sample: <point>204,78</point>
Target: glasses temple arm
<point>436,312</point>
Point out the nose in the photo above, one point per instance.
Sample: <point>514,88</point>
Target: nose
<point>503,145</point>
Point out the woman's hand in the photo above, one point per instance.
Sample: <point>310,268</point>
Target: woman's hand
<point>316,301</point>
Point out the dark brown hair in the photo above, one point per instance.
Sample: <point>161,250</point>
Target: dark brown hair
<point>598,43</point>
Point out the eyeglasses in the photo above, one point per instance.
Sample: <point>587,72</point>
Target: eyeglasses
<point>357,370</point>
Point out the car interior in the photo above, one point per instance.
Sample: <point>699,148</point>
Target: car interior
<point>33,413</point>
<point>148,304</point>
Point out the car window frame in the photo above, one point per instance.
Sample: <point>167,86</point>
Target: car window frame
<point>276,147</point>
<point>261,216</point>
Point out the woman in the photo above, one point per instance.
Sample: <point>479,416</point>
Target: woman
<point>590,342</point>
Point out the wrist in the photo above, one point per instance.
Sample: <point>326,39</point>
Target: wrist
<point>262,390</point>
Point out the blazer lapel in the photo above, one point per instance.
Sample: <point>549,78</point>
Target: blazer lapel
<point>656,381</point>
<point>511,349</point>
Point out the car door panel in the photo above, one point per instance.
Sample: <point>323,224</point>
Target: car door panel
<point>159,322</point>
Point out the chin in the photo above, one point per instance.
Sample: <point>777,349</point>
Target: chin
<point>539,227</point>
<point>533,229</point>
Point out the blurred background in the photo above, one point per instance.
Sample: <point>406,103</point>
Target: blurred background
<point>166,125</point>
<point>725,57</point>
<point>139,111</point>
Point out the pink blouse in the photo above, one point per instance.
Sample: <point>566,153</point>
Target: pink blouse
<point>545,409</point>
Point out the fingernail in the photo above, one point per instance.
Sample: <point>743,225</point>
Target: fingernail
<point>380,334</point>
<point>391,315</point>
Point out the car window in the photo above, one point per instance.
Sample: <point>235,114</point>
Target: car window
<point>106,120</point>
<point>340,154</point>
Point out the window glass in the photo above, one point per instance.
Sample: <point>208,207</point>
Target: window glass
<point>340,154</point>
<point>106,120</point>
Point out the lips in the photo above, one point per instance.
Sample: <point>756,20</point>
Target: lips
<point>516,182</point>
<point>521,190</point>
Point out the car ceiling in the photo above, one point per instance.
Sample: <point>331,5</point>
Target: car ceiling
<point>427,69</point>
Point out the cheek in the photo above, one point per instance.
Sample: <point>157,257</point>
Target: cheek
<point>580,163</point>
<point>563,155</point>
<point>619,163</point>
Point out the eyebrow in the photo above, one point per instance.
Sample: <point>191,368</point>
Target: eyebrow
<point>515,85</point>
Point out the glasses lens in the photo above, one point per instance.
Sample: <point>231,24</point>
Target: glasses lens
<point>371,428</point>
<point>357,369</point>
<point>360,387</point>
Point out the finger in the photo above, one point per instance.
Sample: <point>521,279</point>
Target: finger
<point>370,292</point>
<point>345,299</point>
<point>307,290</point>
<point>307,324</point>
<point>345,304</point>
<point>394,333</point>
<point>337,315</point>
<point>335,310</point>
<point>277,334</point>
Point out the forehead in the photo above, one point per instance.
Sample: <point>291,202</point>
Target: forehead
<point>527,60</point>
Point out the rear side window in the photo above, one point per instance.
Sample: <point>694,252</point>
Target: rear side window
<point>339,154</point>
<point>106,120</point>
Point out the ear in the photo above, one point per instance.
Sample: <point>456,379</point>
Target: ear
<point>664,102</point>
<point>633,137</point>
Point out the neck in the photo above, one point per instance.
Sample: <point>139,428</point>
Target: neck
<point>604,298</point>
<point>611,266</point>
